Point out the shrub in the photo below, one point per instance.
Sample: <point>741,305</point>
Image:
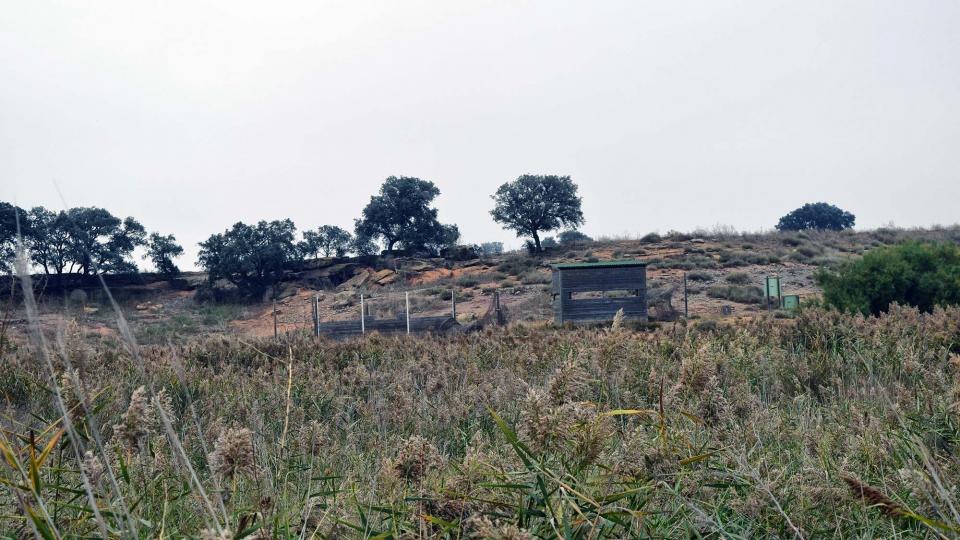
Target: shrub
<point>747,294</point>
<point>699,276</point>
<point>650,238</point>
<point>733,263</point>
<point>913,273</point>
<point>516,266</point>
<point>738,278</point>
<point>678,236</point>
<point>534,277</point>
<point>791,241</point>
<point>573,237</point>
<point>491,249</point>
<point>468,281</point>
<point>796,256</point>
<point>807,251</point>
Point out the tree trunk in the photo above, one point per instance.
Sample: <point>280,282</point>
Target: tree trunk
<point>536,241</point>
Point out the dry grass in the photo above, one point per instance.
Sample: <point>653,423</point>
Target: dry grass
<point>750,431</point>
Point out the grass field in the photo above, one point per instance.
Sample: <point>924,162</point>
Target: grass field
<point>825,425</point>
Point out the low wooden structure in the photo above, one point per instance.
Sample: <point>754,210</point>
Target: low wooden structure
<point>585,292</point>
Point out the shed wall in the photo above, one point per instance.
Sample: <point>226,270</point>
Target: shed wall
<point>567,281</point>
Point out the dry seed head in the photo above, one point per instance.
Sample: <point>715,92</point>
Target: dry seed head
<point>618,321</point>
<point>92,467</point>
<point>484,527</point>
<point>136,422</point>
<point>416,457</point>
<point>568,381</point>
<point>164,402</point>
<point>713,407</point>
<point>875,497</point>
<point>71,388</point>
<point>233,453</point>
<point>212,534</point>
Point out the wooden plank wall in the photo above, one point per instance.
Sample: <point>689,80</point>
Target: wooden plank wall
<point>575,280</point>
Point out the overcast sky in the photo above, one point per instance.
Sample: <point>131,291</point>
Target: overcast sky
<point>191,116</point>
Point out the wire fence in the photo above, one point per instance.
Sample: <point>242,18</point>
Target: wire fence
<point>439,309</point>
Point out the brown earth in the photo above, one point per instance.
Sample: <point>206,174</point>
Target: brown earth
<point>174,314</point>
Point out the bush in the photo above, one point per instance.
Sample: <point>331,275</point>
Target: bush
<point>791,241</point>
<point>534,278</point>
<point>806,251</point>
<point>738,278</point>
<point>733,263</point>
<point>650,238</point>
<point>468,281</point>
<point>799,257</point>
<point>516,266</point>
<point>699,276</point>
<point>913,273</point>
<point>573,237</point>
<point>491,249</point>
<point>748,294</point>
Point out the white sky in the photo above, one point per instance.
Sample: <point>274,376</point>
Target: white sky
<point>193,115</point>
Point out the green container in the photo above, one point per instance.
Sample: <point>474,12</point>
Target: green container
<point>772,286</point>
<point>791,302</point>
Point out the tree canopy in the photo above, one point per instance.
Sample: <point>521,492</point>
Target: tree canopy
<point>78,240</point>
<point>327,239</point>
<point>532,204</point>
<point>913,273</point>
<point>401,214</point>
<point>162,250</point>
<point>9,216</point>
<point>102,242</point>
<point>821,216</point>
<point>252,257</point>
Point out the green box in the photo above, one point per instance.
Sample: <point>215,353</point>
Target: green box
<point>772,286</point>
<point>791,302</point>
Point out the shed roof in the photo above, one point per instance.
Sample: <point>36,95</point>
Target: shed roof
<point>604,264</point>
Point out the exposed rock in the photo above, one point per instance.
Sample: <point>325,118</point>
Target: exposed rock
<point>385,277</point>
<point>342,300</point>
<point>287,291</point>
<point>362,276</point>
<point>326,277</point>
<point>417,266</point>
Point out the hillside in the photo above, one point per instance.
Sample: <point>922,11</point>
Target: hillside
<point>721,270</point>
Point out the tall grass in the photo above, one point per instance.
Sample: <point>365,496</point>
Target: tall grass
<point>822,425</point>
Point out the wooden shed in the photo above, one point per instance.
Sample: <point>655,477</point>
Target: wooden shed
<point>596,291</point>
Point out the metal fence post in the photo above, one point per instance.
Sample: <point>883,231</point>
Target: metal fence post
<point>363,323</point>
<point>276,334</point>
<point>453,303</point>
<point>686,313</point>
<point>407,298</point>
<point>316,315</point>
